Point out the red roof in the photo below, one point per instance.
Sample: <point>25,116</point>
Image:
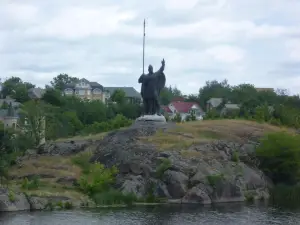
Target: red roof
<point>183,107</point>
<point>166,109</point>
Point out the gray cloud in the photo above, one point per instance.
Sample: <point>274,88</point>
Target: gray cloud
<point>102,41</point>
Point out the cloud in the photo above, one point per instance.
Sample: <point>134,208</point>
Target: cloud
<point>243,41</point>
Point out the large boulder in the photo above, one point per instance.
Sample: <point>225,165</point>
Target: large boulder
<point>10,201</point>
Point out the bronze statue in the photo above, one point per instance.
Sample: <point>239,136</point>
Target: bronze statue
<point>152,84</point>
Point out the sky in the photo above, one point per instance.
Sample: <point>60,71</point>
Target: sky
<point>243,41</point>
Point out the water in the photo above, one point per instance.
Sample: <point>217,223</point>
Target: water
<point>230,214</point>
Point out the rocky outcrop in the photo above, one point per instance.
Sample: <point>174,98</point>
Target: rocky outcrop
<point>214,175</point>
<point>10,201</point>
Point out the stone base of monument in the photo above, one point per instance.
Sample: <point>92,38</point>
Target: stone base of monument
<point>152,118</point>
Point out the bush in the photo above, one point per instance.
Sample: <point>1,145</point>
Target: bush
<point>163,166</point>
<point>82,160</point>
<point>98,180</point>
<point>279,157</point>
<point>112,197</point>
<point>31,184</point>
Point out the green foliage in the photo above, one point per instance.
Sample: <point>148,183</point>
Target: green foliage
<point>279,157</point>
<point>284,195</point>
<point>177,118</point>
<point>168,93</point>
<point>214,179</point>
<point>119,96</point>
<point>82,160</point>
<point>99,179</point>
<point>15,88</point>
<point>118,122</point>
<point>31,184</point>
<point>114,197</point>
<point>59,82</point>
<point>235,157</point>
<point>11,196</point>
<point>163,166</point>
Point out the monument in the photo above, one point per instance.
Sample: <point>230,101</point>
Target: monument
<point>152,84</point>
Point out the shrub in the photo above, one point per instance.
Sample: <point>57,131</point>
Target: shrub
<point>213,179</point>
<point>163,166</point>
<point>31,184</point>
<point>279,157</point>
<point>112,197</point>
<point>82,160</point>
<point>99,179</point>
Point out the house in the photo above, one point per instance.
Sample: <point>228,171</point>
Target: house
<point>213,103</point>
<point>9,117</point>
<point>36,93</point>
<point>230,108</point>
<point>184,109</point>
<point>265,89</point>
<point>131,94</point>
<point>85,89</point>
<point>8,100</point>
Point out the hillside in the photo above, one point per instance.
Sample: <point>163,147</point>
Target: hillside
<point>193,156</point>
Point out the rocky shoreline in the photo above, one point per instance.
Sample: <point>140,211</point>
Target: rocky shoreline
<point>205,172</point>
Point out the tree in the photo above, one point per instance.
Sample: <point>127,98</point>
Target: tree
<point>118,96</point>
<point>214,89</point>
<point>59,82</point>
<point>17,89</point>
<point>33,116</point>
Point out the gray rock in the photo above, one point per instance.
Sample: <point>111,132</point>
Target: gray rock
<point>134,185</point>
<point>197,195</point>
<point>38,203</point>
<point>176,183</point>
<point>10,201</point>
<point>227,191</point>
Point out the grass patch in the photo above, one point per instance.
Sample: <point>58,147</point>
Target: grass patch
<point>197,132</point>
<point>190,153</point>
<point>163,166</point>
<point>285,196</point>
<point>214,179</point>
<point>82,160</point>
<point>98,136</point>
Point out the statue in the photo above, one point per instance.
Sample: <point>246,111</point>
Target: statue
<point>152,84</point>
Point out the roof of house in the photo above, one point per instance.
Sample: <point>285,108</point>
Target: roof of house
<point>36,93</point>
<point>9,100</point>
<point>130,92</point>
<point>183,107</point>
<point>264,89</point>
<point>215,102</point>
<point>92,84</point>
<point>166,108</point>
<point>232,106</point>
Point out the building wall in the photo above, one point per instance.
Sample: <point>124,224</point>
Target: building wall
<point>10,122</point>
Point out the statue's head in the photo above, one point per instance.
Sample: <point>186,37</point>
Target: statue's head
<point>150,69</point>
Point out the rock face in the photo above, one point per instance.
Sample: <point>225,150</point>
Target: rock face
<point>214,176</point>
<point>10,201</point>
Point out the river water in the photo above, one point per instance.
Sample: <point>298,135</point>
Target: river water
<point>228,214</point>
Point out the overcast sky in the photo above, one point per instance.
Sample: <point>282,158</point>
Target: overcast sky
<point>245,41</point>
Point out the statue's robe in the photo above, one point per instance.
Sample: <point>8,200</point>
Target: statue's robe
<point>152,84</point>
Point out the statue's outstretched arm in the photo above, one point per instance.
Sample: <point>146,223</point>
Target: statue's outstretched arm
<point>162,68</point>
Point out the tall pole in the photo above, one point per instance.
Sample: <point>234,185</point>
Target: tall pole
<point>144,47</point>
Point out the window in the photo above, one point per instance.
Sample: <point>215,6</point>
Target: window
<point>97,91</point>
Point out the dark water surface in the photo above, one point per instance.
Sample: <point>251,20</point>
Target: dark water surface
<point>226,214</point>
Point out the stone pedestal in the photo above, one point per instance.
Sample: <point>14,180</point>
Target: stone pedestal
<point>151,118</point>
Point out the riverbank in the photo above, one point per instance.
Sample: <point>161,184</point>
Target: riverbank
<point>197,162</point>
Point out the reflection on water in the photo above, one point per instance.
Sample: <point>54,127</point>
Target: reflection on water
<point>228,214</point>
